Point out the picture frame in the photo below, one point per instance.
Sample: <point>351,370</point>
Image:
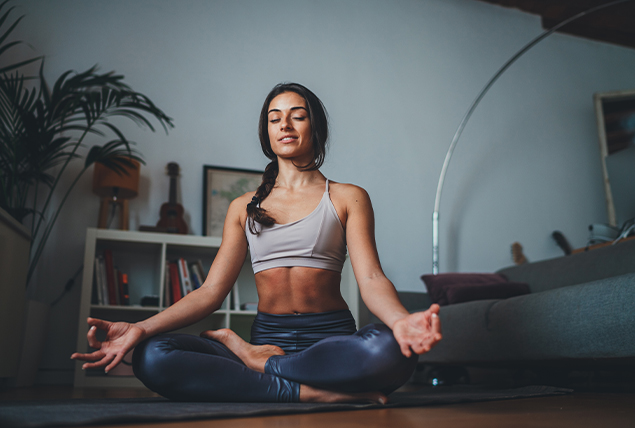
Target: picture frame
<point>615,116</point>
<point>221,185</point>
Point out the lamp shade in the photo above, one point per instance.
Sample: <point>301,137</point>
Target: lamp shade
<point>108,183</point>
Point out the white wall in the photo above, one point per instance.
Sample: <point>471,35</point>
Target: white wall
<point>396,77</point>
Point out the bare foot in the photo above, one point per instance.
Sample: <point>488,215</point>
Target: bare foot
<point>308,394</point>
<point>253,356</point>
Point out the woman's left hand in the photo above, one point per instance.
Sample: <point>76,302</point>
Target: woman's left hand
<point>418,332</point>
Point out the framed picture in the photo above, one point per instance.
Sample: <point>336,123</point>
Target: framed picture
<point>220,187</point>
<point>615,114</point>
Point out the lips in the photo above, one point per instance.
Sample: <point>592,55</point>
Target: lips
<point>287,139</point>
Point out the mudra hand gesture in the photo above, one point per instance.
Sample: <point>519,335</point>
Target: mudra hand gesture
<point>418,332</point>
<point>121,337</point>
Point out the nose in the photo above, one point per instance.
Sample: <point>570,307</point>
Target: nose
<point>285,123</point>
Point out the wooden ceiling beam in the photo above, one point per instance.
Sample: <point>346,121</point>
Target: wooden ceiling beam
<point>613,25</point>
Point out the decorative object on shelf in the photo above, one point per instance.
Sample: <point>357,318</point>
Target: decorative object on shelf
<point>172,212</point>
<point>475,103</point>
<point>562,242</point>
<point>115,188</point>
<point>517,254</point>
<point>615,115</point>
<point>43,130</point>
<point>220,187</point>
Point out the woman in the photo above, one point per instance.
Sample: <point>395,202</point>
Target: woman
<point>304,344</point>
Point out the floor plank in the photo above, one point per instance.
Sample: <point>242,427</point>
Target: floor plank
<point>579,410</point>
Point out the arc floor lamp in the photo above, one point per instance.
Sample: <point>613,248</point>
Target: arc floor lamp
<point>475,103</point>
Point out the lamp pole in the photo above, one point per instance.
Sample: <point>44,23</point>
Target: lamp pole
<point>475,103</point>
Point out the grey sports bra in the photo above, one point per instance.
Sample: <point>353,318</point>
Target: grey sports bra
<point>316,241</point>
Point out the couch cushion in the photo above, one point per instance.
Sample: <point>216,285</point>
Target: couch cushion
<point>449,288</point>
<point>459,293</point>
<point>592,320</point>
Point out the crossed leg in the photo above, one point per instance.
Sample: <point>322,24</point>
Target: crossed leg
<point>189,368</point>
<point>369,360</point>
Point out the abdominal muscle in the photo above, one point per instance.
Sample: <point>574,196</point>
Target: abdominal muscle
<point>299,290</point>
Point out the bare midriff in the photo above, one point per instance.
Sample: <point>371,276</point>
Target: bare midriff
<point>299,290</point>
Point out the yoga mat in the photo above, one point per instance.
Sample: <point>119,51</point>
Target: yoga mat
<point>78,412</point>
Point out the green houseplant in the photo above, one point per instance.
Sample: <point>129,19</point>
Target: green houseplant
<point>43,129</point>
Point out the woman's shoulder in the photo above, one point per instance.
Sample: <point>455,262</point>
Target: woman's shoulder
<point>347,193</point>
<point>239,205</point>
<point>347,189</point>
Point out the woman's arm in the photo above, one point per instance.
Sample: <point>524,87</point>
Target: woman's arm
<point>122,337</point>
<point>416,332</point>
<point>221,277</point>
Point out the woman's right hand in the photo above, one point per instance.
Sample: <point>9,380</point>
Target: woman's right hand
<point>121,338</point>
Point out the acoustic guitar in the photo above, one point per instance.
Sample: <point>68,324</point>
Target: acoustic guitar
<point>171,217</point>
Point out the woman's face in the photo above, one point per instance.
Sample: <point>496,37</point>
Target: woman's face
<point>290,128</point>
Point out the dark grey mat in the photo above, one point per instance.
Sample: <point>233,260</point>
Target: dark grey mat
<point>78,412</point>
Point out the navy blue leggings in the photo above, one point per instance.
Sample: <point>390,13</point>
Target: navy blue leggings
<point>322,350</point>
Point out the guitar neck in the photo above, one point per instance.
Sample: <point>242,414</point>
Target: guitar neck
<point>172,198</point>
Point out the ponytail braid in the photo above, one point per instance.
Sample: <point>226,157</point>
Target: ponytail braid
<point>254,212</point>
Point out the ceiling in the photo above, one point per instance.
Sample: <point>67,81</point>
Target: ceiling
<point>614,24</point>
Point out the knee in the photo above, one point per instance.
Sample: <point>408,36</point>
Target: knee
<point>384,354</point>
<point>149,360</point>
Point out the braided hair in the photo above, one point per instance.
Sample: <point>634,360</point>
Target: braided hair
<point>319,138</point>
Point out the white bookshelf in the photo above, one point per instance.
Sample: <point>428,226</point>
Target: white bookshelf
<point>143,256</point>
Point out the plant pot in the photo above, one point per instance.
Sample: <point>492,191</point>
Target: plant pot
<point>15,241</point>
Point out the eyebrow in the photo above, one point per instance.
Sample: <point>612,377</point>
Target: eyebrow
<point>292,108</point>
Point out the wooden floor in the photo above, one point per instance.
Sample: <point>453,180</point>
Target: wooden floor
<point>579,410</point>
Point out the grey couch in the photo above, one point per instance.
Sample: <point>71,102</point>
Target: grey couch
<point>581,310</point>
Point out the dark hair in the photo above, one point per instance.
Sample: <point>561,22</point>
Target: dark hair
<point>319,138</point>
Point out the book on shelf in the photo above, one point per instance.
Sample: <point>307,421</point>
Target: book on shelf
<point>110,278</point>
<point>196,267</point>
<point>195,274</point>
<point>184,276</point>
<point>110,284</point>
<point>167,288</point>
<point>98,281</point>
<point>104,282</point>
<point>175,282</point>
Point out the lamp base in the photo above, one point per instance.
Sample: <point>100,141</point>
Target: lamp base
<point>121,205</point>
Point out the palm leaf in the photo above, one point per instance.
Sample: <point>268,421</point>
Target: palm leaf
<point>6,33</point>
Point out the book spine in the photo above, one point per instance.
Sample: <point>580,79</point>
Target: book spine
<point>104,281</point>
<point>184,275</point>
<point>175,282</point>
<point>201,271</point>
<point>167,288</point>
<point>196,277</point>
<point>98,284</point>
<point>110,277</point>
